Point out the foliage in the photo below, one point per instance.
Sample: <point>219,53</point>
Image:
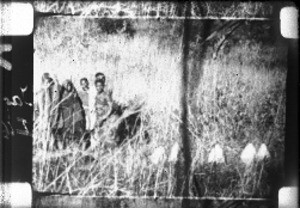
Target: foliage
<point>240,98</point>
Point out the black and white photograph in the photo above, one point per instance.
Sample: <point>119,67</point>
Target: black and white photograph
<point>158,99</point>
<point>108,111</point>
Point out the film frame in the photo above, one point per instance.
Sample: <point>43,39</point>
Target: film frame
<point>18,170</point>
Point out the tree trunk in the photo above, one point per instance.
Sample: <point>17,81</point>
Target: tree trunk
<point>184,162</point>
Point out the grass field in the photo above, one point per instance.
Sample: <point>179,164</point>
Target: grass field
<point>240,99</point>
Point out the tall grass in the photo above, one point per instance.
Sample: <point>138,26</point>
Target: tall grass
<point>237,101</point>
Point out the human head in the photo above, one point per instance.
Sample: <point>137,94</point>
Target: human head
<point>99,84</point>
<point>68,85</point>
<point>84,83</point>
<point>45,78</point>
<point>100,76</point>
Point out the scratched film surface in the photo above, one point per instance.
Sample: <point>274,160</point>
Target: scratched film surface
<point>122,137</point>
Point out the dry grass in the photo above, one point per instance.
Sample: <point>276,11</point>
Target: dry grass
<point>235,103</point>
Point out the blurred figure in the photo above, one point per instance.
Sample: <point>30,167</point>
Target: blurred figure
<point>102,105</point>
<point>92,94</point>
<point>100,76</point>
<point>48,101</point>
<point>84,83</point>
<point>84,94</point>
<point>72,113</point>
<point>45,77</point>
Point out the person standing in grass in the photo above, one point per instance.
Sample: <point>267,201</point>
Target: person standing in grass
<point>72,113</point>
<point>102,104</point>
<point>101,76</point>
<point>93,92</point>
<point>84,94</point>
<point>47,105</point>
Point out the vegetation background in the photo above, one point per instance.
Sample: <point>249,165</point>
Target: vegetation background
<point>239,99</point>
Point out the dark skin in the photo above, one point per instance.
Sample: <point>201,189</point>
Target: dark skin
<point>100,77</point>
<point>99,87</point>
<point>69,87</point>
<point>48,81</point>
<point>84,85</point>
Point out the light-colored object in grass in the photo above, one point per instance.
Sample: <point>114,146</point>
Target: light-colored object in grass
<point>248,154</point>
<point>262,152</point>
<point>216,155</point>
<point>174,152</point>
<point>158,155</point>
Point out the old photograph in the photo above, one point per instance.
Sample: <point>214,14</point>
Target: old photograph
<point>128,95</point>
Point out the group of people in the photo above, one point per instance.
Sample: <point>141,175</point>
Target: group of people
<point>67,113</point>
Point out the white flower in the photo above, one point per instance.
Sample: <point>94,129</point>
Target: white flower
<point>174,152</point>
<point>248,154</point>
<point>216,155</point>
<point>158,155</point>
<point>262,152</point>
